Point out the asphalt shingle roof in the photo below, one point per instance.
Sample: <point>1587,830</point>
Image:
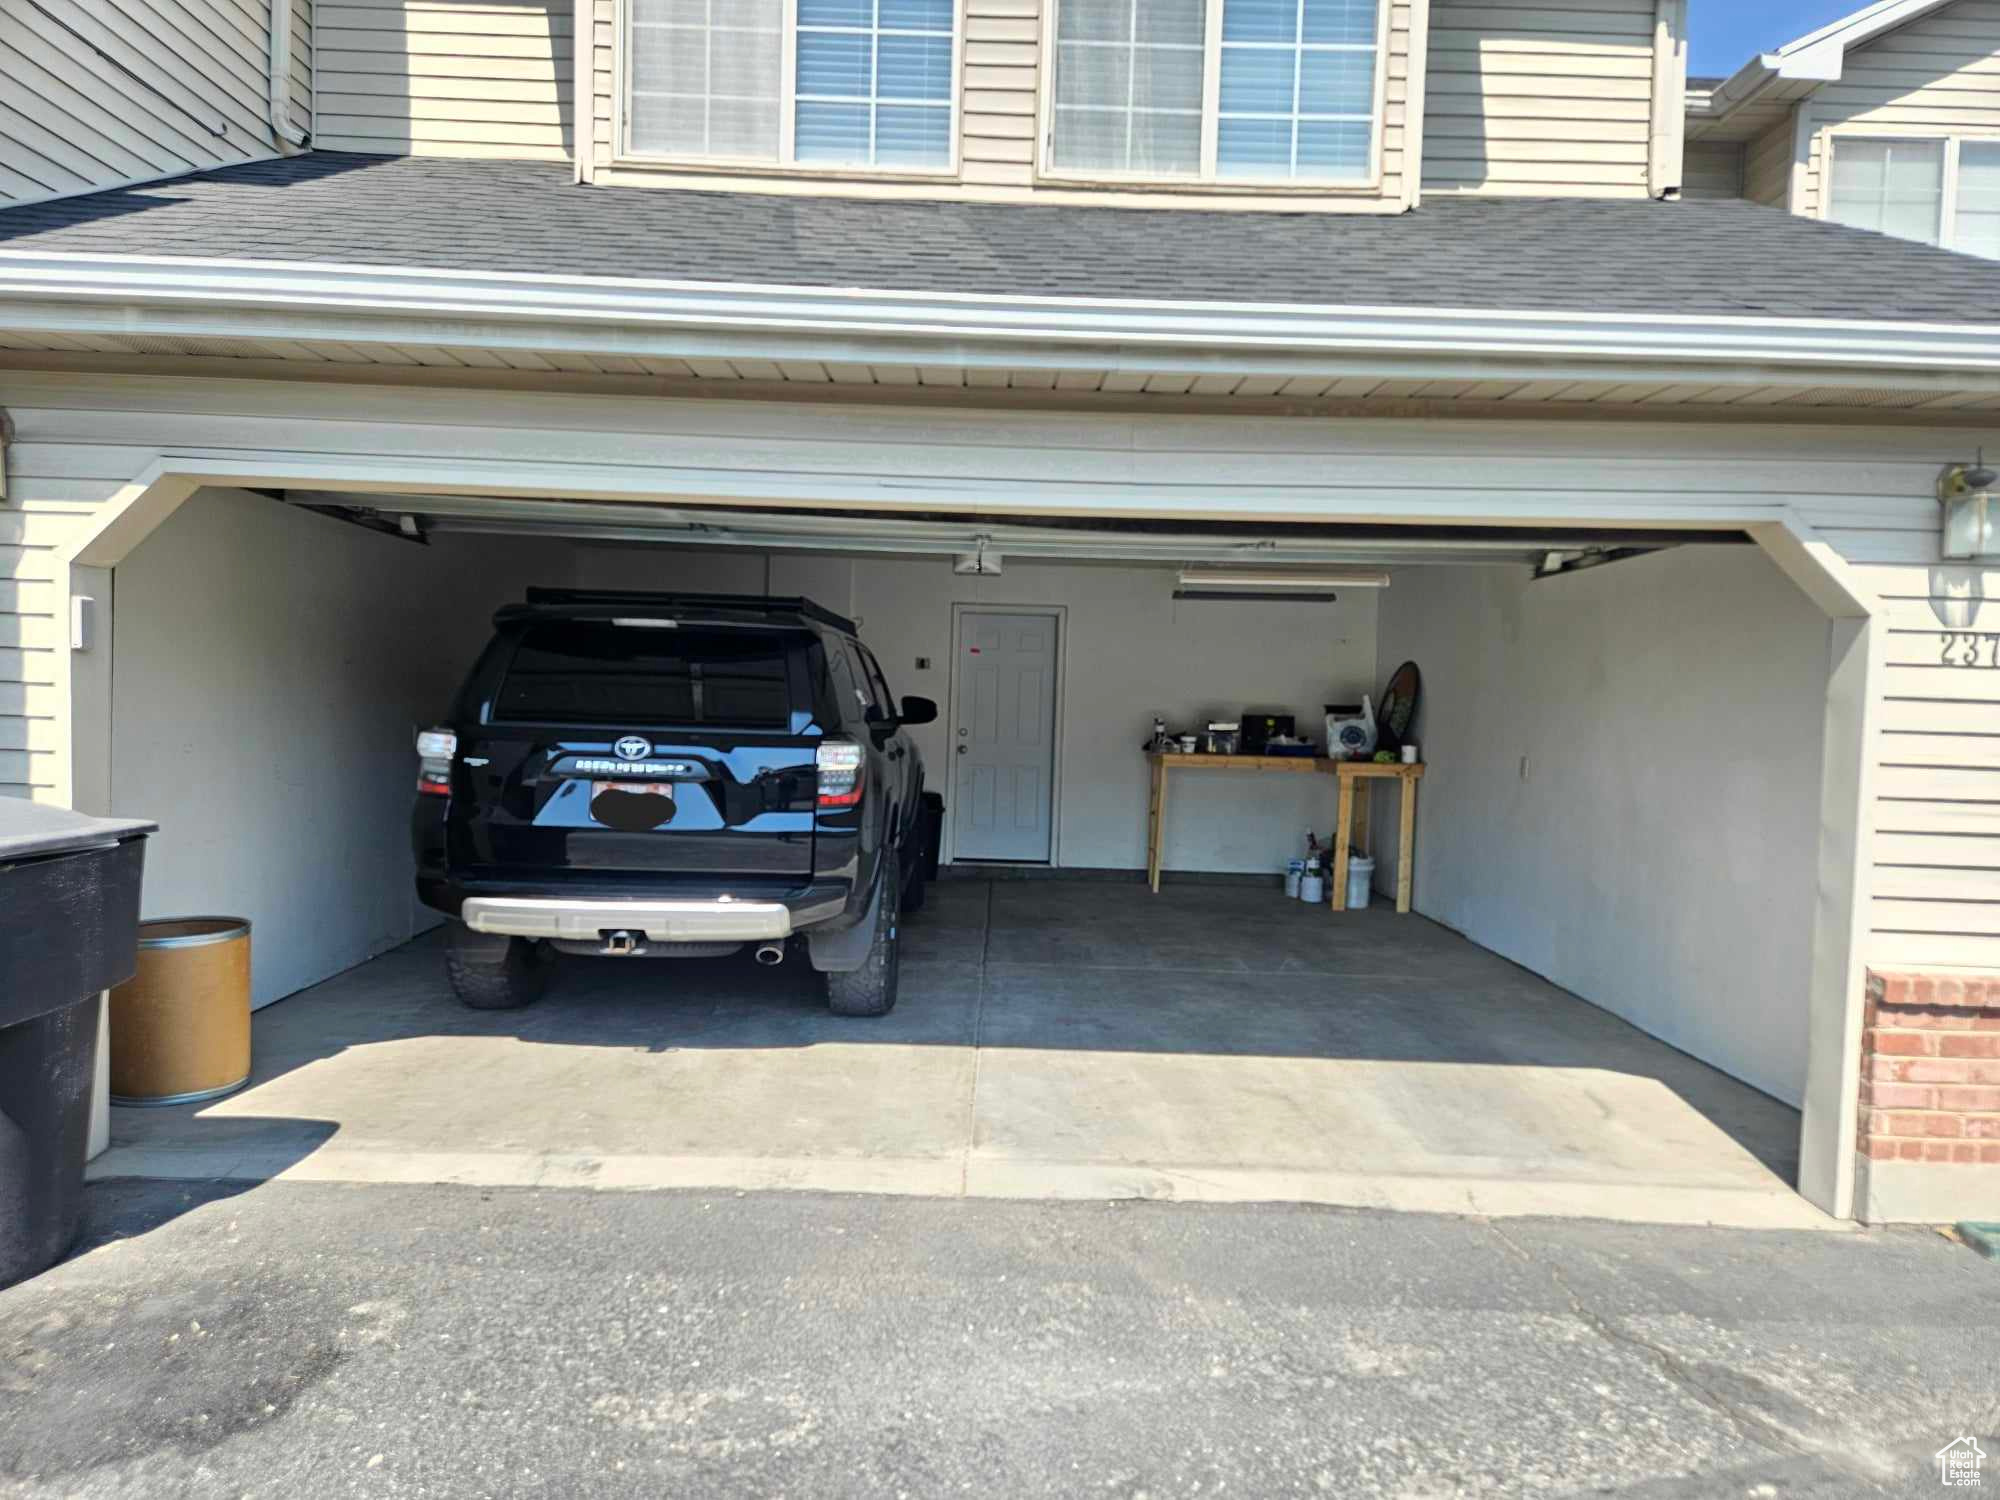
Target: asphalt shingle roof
<point>1702,257</point>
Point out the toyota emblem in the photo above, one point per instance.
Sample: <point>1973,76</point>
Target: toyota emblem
<point>631,747</point>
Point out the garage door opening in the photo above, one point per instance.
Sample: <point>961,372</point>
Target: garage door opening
<point>1601,998</point>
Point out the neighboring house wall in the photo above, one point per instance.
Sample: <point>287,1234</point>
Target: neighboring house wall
<point>1936,76</point>
<point>1713,170</point>
<point>1767,165</point>
<point>488,78</point>
<point>252,637</point>
<point>1659,826</point>
<point>96,93</point>
<point>1556,99</point>
<point>1869,491</point>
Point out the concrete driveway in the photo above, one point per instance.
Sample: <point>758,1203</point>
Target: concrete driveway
<point>1054,1039</point>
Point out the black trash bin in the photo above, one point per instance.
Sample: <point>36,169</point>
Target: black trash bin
<point>69,928</point>
<point>933,832</point>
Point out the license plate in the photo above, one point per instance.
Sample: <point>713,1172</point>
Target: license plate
<point>636,788</point>
<point>631,806</point>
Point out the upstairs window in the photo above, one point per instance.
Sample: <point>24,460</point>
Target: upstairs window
<point>1217,90</point>
<point>1942,191</point>
<point>1892,187</point>
<point>814,83</point>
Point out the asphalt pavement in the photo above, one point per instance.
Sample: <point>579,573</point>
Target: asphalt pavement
<point>335,1340</point>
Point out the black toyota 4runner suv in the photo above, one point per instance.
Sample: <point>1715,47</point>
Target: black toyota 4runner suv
<point>672,775</point>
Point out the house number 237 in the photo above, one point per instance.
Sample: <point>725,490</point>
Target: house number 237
<point>1969,649</point>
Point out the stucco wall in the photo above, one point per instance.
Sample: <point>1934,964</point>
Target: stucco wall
<point>1623,792</point>
<point>1132,651</point>
<point>272,665</point>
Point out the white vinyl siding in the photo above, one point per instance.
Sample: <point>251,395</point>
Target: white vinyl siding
<point>1712,169</point>
<point>1767,165</point>
<point>97,94</point>
<point>1552,99</point>
<point>998,92</point>
<point>489,78</point>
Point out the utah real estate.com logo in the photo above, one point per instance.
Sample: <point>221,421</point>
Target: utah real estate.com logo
<point>1958,1464</point>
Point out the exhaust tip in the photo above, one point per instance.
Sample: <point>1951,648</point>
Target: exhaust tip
<point>770,954</point>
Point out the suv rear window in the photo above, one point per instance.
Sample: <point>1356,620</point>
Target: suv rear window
<point>594,672</point>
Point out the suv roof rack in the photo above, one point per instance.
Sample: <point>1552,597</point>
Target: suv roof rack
<point>720,608</point>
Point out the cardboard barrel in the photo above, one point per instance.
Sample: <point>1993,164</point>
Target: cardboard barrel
<point>180,1026</point>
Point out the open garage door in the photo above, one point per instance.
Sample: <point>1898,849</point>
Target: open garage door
<point>1620,729</point>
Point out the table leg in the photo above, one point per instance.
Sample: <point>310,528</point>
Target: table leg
<point>1156,843</point>
<point>1343,829</point>
<point>1406,845</point>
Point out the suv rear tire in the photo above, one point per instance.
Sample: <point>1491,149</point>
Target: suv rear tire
<point>871,989</point>
<point>494,973</point>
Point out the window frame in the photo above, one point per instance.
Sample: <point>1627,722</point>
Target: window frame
<point>1206,180</point>
<point>624,153</point>
<point>1952,140</point>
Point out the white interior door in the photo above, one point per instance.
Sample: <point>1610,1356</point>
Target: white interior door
<point>1003,741</point>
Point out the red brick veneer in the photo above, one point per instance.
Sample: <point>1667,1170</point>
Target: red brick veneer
<point>1930,1068</point>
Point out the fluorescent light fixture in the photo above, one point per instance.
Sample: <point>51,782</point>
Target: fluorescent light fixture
<point>641,622</point>
<point>1280,578</point>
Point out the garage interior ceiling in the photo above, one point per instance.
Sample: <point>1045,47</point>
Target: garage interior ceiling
<point>1077,539</point>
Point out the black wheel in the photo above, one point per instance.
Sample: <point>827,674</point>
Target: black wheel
<point>914,883</point>
<point>871,989</point>
<point>494,973</point>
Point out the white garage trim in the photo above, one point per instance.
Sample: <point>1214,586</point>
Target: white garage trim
<point>1827,1131</point>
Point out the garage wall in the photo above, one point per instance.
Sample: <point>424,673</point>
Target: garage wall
<point>1133,651</point>
<point>271,667</point>
<point>1623,792</point>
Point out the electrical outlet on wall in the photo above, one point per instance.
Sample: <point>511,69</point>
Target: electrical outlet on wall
<point>1524,768</point>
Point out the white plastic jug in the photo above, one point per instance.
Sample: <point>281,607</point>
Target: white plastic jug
<point>1351,736</point>
<point>1360,881</point>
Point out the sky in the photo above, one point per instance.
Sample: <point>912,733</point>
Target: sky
<point>1724,34</point>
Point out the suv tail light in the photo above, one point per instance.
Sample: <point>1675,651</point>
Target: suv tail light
<point>839,765</point>
<point>436,749</point>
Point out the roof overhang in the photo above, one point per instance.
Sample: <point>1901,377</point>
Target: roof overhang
<point>1740,105</point>
<point>264,307</point>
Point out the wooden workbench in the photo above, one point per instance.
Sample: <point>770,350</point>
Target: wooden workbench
<point>1348,771</point>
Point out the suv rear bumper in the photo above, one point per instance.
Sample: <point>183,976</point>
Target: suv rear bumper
<point>661,921</point>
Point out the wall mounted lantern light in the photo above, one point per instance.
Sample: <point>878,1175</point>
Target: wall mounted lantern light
<point>1966,491</point>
